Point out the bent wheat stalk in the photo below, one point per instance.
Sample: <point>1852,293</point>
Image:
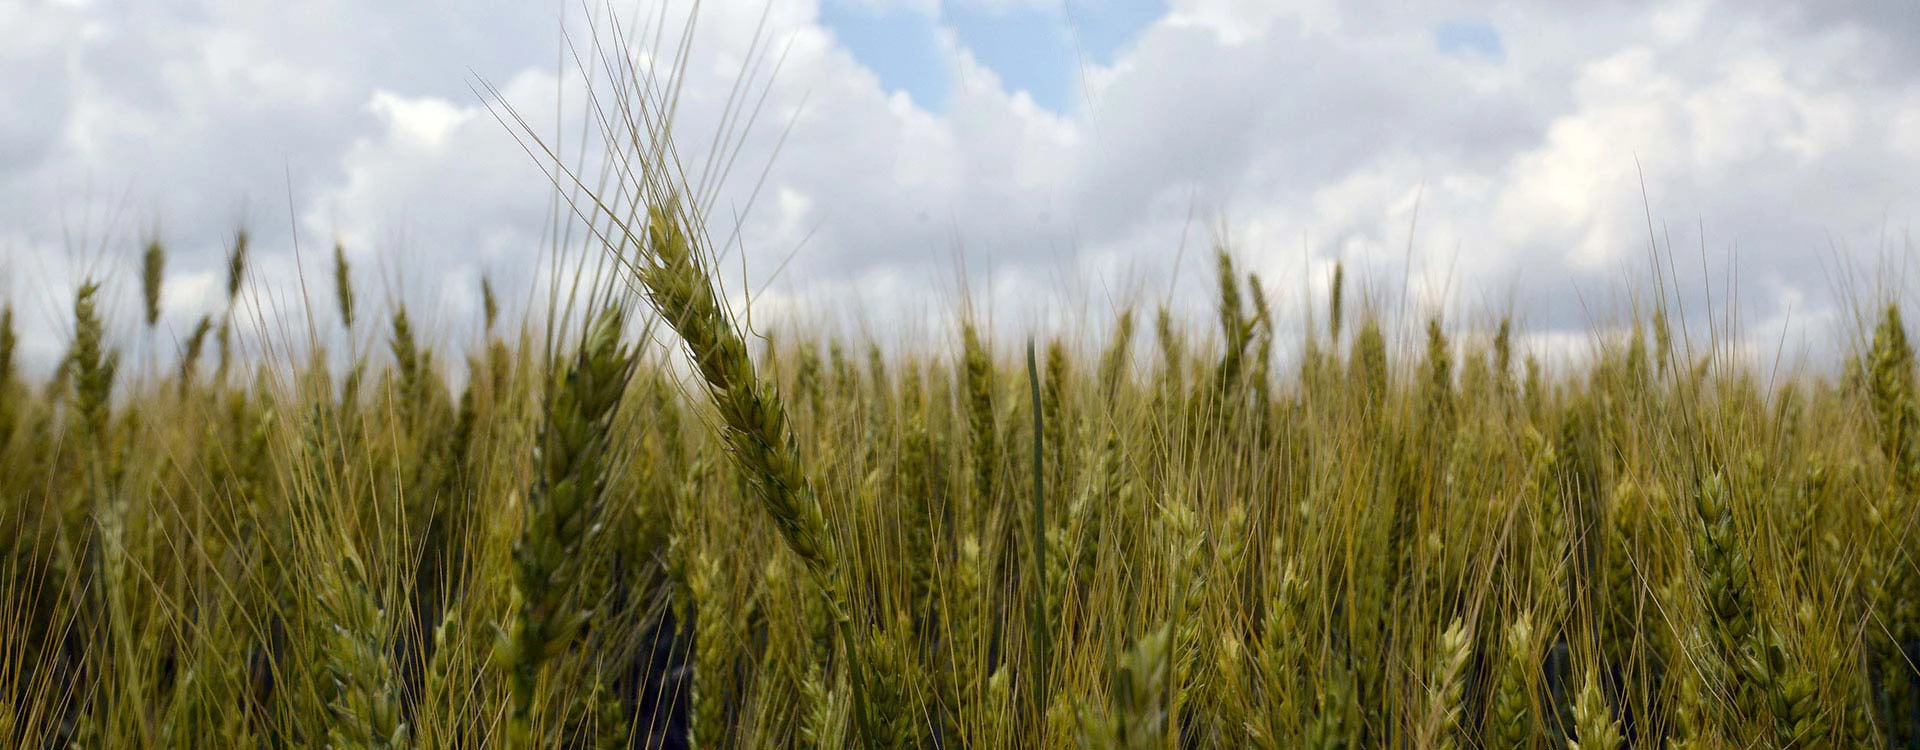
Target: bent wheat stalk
<point>754,423</point>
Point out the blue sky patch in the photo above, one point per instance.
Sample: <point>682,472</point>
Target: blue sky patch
<point>1473,38</point>
<point>1039,49</point>
<point>901,46</point>
<point>1030,48</point>
<point>1104,27</point>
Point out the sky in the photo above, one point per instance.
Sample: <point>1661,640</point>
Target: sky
<point>1039,162</point>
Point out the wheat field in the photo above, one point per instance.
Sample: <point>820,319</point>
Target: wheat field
<point>634,521</point>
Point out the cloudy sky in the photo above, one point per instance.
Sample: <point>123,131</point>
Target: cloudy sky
<point>1041,160</point>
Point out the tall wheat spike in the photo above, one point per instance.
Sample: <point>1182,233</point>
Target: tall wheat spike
<point>565,509</point>
<point>153,271</point>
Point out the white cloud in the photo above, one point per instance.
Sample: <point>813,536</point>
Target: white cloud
<point>423,121</point>
<point>1312,129</point>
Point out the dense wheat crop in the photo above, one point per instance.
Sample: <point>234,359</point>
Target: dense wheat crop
<point>823,544</point>
<point>636,522</point>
